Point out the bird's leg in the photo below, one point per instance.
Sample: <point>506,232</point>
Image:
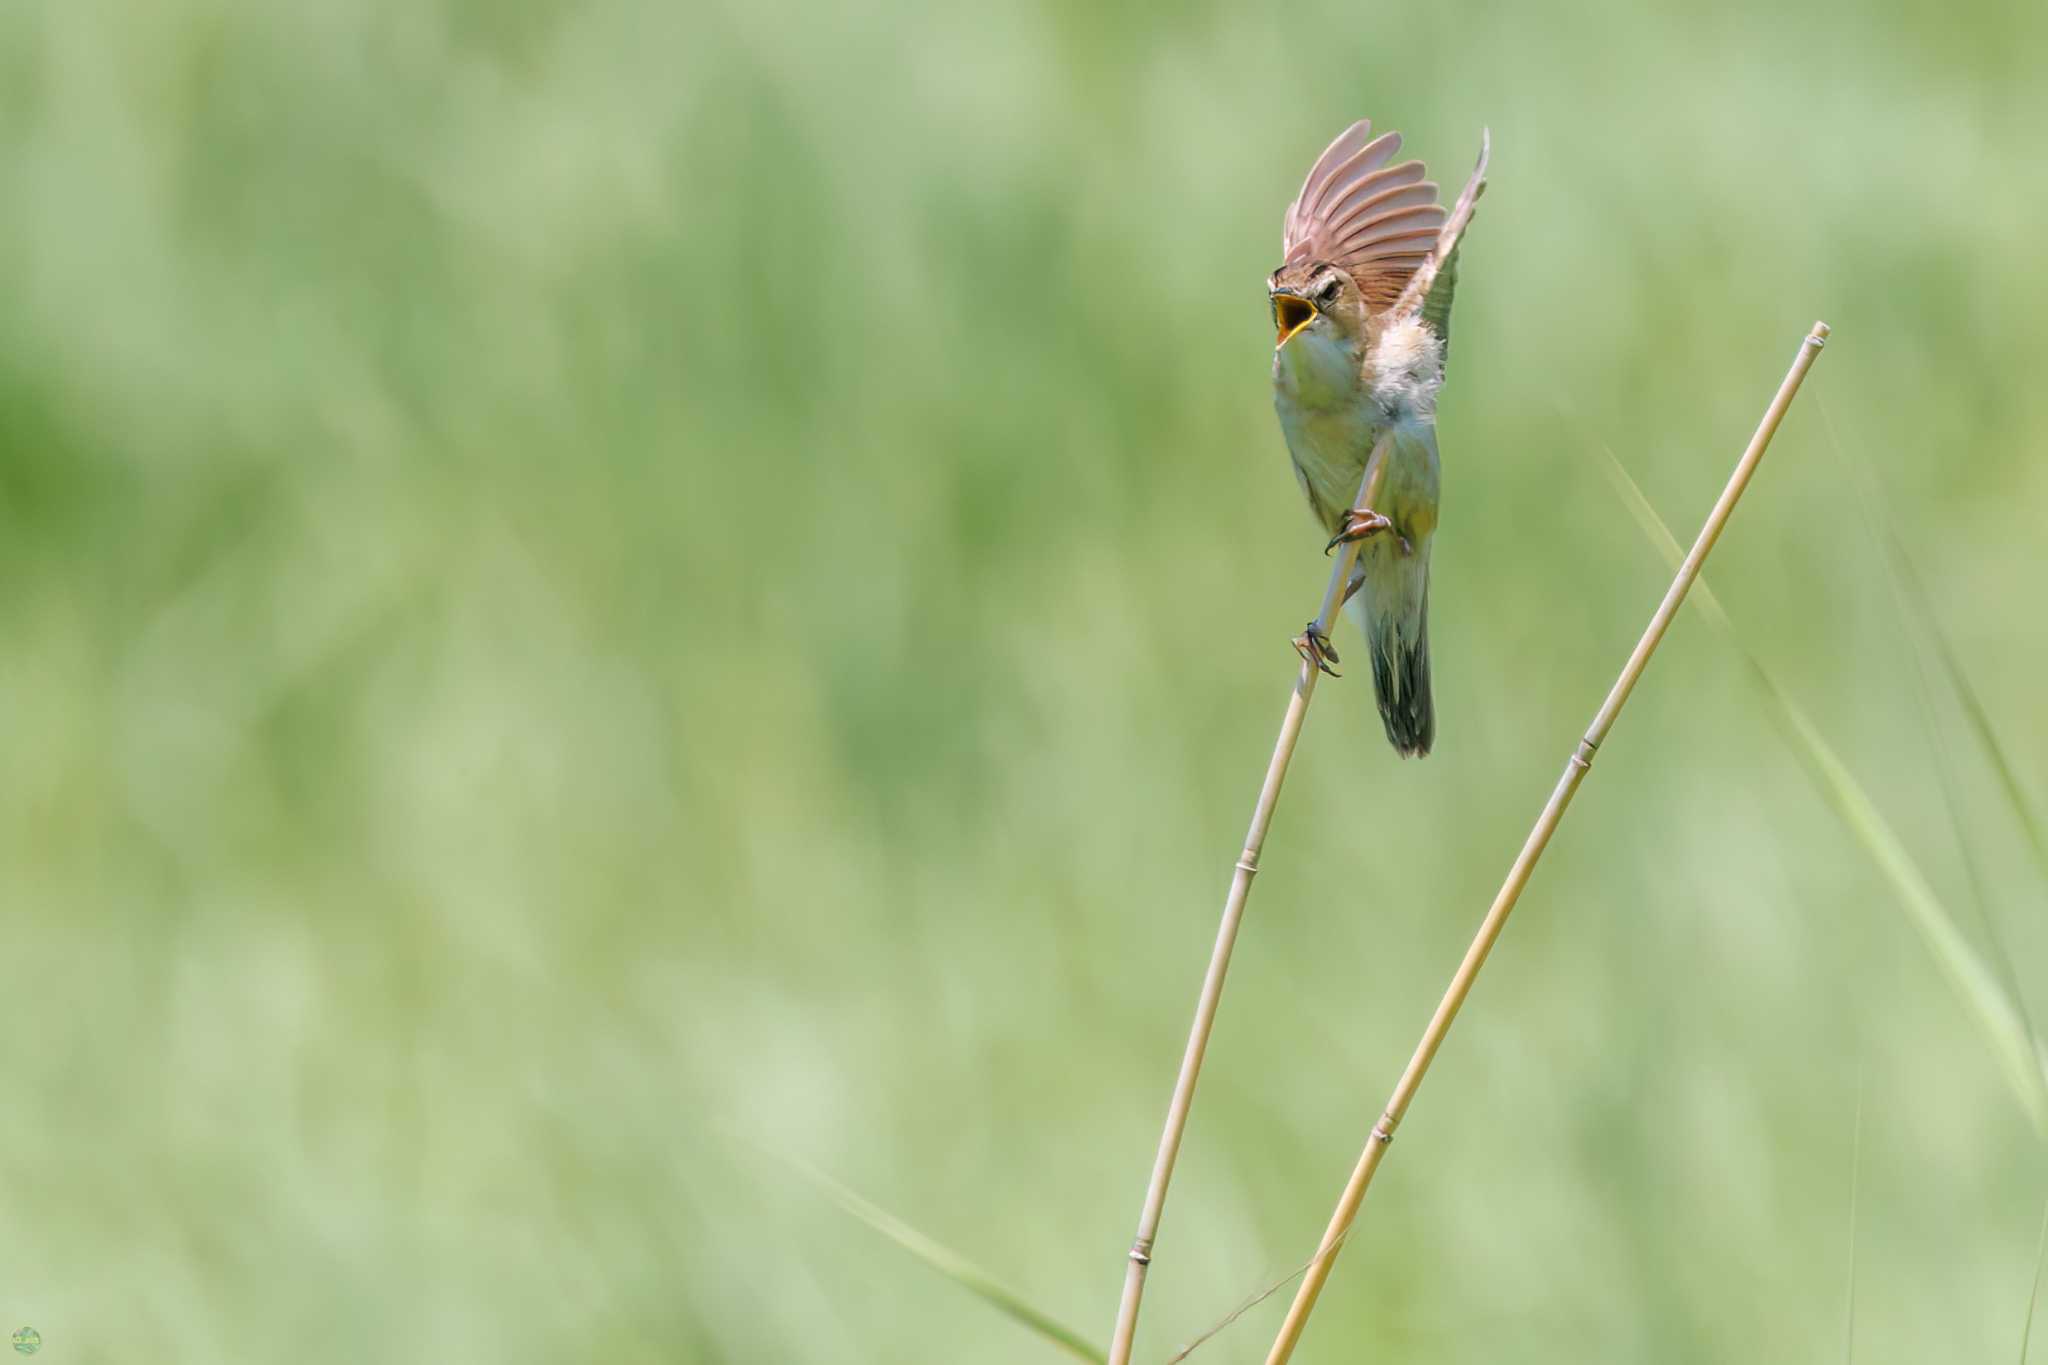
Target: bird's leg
<point>1313,645</point>
<point>1359,523</point>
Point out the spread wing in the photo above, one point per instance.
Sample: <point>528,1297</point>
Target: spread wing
<point>1434,283</point>
<point>1380,223</point>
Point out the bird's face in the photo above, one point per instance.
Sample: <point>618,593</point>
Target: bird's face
<point>1319,326</point>
<point>1316,302</point>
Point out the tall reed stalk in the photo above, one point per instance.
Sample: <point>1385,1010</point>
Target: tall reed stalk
<point>1411,300</point>
<point>1226,932</point>
<point>1576,767</point>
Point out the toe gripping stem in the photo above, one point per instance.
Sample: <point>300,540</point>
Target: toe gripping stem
<point>1359,523</point>
<point>1313,645</point>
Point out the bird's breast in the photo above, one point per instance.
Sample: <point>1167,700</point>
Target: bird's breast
<point>1316,368</point>
<point>1329,446</point>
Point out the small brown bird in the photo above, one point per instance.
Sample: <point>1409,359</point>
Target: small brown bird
<point>1362,307</point>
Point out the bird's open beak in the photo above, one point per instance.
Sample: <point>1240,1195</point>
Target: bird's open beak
<point>1291,313</point>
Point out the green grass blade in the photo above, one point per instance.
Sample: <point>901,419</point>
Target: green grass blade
<point>1914,606</point>
<point>1912,591</point>
<point>1980,723</point>
<point>952,1265</point>
<point>2013,1044</point>
<point>1855,1189</point>
<point>2034,1292</point>
<point>1974,982</point>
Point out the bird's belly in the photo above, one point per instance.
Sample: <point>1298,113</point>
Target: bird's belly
<point>1408,494</point>
<point>1329,447</point>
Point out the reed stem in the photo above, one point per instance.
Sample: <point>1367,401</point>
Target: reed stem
<point>1576,768</point>
<point>1140,1258</point>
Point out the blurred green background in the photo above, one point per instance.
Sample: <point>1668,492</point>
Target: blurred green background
<point>588,592</point>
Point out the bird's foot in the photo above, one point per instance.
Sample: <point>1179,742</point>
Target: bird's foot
<point>1315,647</point>
<point>1359,523</point>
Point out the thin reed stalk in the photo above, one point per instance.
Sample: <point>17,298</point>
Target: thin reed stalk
<point>1576,767</point>
<point>1226,933</point>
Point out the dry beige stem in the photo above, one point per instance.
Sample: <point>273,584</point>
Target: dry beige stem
<point>1575,771</point>
<point>1226,936</point>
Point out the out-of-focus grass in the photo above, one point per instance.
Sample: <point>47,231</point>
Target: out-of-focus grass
<point>2000,1014</point>
<point>950,1264</point>
<point>2034,1285</point>
<point>578,577</point>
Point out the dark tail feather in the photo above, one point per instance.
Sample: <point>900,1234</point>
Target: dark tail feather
<point>1400,677</point>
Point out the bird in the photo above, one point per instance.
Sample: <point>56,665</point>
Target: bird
<point>1361,308</point>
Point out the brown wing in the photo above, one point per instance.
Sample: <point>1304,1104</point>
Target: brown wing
<point>1378,222</point>
<point>1433,283</point>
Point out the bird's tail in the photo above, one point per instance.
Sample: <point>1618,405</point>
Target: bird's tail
<point>1393,610</point>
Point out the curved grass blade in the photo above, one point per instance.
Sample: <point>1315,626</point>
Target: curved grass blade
<point>1258,1297</point>
<point>1855,1188</point>
<point>2034,1293</point>
<point>952,1265</point>
<point>1929,639</point>
<point>1913,590</point>
<point>2019,1053</point>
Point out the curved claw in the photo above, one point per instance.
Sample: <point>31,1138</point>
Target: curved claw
<point>1315,647</point>
<point>1359,523</point>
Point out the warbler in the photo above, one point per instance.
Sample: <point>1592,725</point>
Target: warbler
<point>1362,310</point>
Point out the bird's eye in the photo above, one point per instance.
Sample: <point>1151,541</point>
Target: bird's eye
<point>1327,295</point>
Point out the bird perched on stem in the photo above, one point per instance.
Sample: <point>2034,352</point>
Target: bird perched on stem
<point>1362,308</point>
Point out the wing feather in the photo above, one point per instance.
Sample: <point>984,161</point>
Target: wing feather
<point>1348,141</point>
<point>1379,199</point>
<point>1420,290</point>
<point>1361,166</point>
<point>1401,223</point>
<point>1376,221</point>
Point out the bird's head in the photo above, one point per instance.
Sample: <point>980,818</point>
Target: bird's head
<point>1317,302</point>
